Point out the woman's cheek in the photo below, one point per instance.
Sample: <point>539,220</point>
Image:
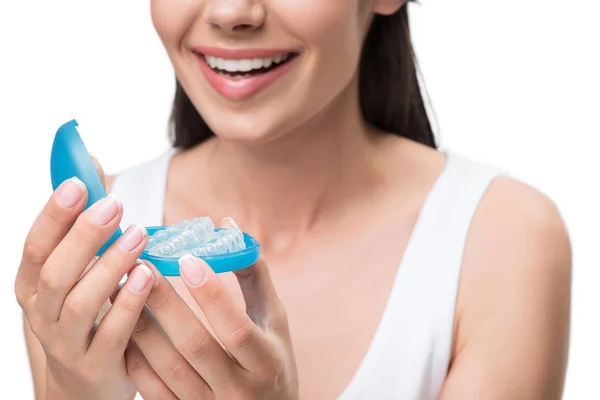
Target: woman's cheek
<point>174,19</point>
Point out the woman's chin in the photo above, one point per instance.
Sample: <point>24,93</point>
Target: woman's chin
<point>248,134</point>
<point>245,137</point>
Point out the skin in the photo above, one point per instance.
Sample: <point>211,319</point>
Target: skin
<point>320,175</point>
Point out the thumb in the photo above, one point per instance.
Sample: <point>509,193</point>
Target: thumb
<point>263,305</point>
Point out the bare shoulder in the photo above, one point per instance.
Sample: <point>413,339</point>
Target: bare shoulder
<point>517,229</point>
<point>513,307</point>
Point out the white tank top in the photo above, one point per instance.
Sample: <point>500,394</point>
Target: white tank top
<point>409,355</point>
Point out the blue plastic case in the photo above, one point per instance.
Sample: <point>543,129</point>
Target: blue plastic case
<point>70,158</point>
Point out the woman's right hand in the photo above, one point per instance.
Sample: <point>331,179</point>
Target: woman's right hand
<point>61,300</point>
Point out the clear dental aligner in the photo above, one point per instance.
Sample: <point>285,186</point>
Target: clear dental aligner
<point>226,241</point>
<point>197,236</point>
<point>184,236</point>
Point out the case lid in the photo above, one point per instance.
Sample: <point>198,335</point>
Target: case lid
<point>70,158</point>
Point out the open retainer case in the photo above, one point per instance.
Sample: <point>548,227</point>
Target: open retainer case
<point>70,158</point>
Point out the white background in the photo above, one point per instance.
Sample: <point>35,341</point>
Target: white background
<point>512,84</point>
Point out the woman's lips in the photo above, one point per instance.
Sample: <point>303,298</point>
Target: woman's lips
<point>243,62</point>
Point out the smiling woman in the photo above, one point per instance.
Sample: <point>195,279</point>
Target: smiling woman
<point>389,269</point>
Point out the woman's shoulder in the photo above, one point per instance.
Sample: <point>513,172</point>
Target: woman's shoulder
<point>520,221</point>
<point>522,226</point>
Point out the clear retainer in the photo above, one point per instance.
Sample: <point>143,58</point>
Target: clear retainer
<point>197,237</point>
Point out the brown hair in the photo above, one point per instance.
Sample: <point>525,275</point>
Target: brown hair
<point>390,95</point>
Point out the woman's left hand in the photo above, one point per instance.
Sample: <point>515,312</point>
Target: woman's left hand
<point>174,356</point>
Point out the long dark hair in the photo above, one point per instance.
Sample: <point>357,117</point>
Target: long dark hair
<point>390,95</point>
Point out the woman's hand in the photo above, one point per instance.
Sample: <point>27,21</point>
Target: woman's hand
<point>61,300</point>
<point>251,357</point>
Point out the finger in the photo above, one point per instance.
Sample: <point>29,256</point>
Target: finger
<point>146,380</point>
<point>115,329</point>
<point>83,303</point>
<point>246,342</point>
<point>70,258</point>
<point>189,336</point>
<point>164,358</point>
<point>49,228</point>
<point>262,302</point>
<point>99,170</point>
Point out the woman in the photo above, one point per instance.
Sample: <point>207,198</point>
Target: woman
<point>395,271</point>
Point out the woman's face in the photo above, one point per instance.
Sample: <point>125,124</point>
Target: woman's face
<point>256,69</point>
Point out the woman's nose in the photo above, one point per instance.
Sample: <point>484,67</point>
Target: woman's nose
<point>235,15</point>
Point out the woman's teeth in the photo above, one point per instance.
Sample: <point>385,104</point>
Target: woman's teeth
<point>247,65</point>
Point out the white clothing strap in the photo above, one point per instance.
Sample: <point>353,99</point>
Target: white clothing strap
<point>142,190</point>
<point>410,353</point>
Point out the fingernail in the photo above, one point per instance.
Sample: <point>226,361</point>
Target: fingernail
<point>192,269</point>
<point>131,238</point>
<point>139,278</point>
<point>228,221</point>
<point>70,192</point>
<point>156,276</point>
<point>105,209</point>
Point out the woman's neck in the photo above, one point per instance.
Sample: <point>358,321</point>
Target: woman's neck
<point>278,190</point>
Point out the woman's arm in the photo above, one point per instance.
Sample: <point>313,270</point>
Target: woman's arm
<point>513,309</point>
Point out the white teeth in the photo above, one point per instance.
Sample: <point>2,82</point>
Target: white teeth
<point>267,62</point>
<point>229,65</point>
<point>245,65</point>
<point>212,62</point>
<point>256,63</point>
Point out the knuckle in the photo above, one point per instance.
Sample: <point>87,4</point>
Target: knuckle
<point>114,261</point>
<point>49,281</point>
<point>110,340</point>
<point>160,302</point>
<point>133,364</point>
<point>199,347</point>
<point>74,309</point>
<point>85,234</point>
<point>33,254</point>
<point>21,295</point>
<point>142,325</point>
<point>212,294</point>
<point>241,337</point>
<point>53,217</point>
<point>173,370</point>
<point>128,305</point>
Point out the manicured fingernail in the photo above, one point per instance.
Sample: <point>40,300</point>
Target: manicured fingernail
<point>105,209</point>
<point>70,192</point>
<point>227,222</point>
<point>139,278</point>
<point>131,238</point>
<point>192,269</point>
